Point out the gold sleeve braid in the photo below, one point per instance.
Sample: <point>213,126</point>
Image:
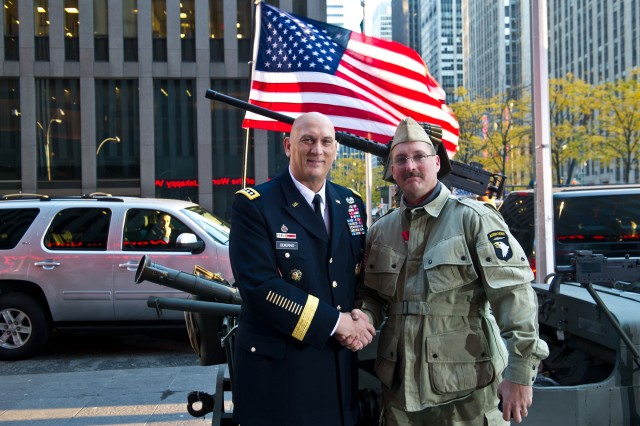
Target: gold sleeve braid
<point>306,317</point>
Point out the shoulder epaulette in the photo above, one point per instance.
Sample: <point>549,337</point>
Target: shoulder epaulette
<point>479,206</point>
<point>250,193</point>
<point>356,192</point>
<point>389,211</point>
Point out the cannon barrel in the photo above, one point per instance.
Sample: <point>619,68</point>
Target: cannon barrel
<point>345,138</point>
<point>472,178</point>
<point>186,282</point>
<point>196,306</point>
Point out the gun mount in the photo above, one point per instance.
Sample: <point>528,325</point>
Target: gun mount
<point>468,177</point>
<point>588,317</point>
<point>211,323</point>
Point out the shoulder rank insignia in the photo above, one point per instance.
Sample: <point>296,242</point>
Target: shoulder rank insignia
<point>250,193</point>
<point>356,193</point>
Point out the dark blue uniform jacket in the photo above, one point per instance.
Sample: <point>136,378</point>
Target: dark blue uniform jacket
<point>294,280</point>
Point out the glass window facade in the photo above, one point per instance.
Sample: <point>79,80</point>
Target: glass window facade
<point>11,26</point>
<point>216,33</point>
<point>9,129</point>
<point>117,133</point>
<point>278,160</point>
<point>100,31</point>
<point>175,139</point>
<point>227,146</point>
<point>41,29</point>
<point>130,29</point>
<point>58,130</point>
<point>244,27</point>
<point>188,30</point>
<point>71,30</point>
<point>159,30</point>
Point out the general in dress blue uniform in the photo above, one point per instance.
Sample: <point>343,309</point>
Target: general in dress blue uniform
<point>295,278</point>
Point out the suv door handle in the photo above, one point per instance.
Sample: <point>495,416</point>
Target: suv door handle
<point>129,265</point>
<point>47,264</point>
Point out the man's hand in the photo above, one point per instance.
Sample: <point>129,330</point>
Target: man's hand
<point>354,330</point>
<point>516,400</point>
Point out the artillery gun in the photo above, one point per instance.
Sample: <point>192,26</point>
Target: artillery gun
<point>589,317</point>
<point>211,323</point>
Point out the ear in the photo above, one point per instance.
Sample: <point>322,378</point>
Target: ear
<point>437,163</point>
<point>286,144</point>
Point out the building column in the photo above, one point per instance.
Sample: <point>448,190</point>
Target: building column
<point>28,126</point>
<point>88,135</point>
<point>203,107</point>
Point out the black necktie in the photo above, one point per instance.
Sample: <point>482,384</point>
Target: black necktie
<point>317,206</point>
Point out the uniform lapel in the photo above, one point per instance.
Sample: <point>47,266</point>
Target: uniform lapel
<point>298,208</point>
<point>337,216</point>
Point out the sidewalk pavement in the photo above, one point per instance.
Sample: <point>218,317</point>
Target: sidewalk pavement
<point>109,397</point>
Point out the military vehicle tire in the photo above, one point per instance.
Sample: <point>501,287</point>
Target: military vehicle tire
<point>24,328</point>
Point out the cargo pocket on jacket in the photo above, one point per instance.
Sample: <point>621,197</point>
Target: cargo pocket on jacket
<point>459,362</point>
<point>387,358</point>
<point>448,265</point>
<point>382,269</point>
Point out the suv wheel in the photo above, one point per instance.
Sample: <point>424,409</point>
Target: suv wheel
<point>24,328</point>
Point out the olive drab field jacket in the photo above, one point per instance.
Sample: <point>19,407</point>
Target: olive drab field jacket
<point>443,274</point>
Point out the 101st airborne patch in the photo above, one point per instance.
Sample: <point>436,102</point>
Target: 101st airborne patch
<point>500,242</point>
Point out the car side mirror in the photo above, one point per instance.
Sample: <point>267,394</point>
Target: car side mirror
<point>189,241</point>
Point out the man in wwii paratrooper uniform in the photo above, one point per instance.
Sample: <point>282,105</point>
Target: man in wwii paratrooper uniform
<point>296,248</point>
<point>453,282</point>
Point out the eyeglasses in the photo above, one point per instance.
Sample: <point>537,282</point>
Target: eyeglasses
<point>401,160</point>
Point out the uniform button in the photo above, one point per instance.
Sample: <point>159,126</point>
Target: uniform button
<point>287,255</point>
<point>430,261</point>
<point>331,260</point>
<point>334,284</point>
<point>488,259</point>
<point>463,258</point>
<point>253,349</point>
<point>339,307</point>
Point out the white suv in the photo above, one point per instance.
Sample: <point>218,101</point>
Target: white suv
<point>71,262</point>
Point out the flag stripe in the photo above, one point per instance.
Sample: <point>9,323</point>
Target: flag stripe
<point>334,91</point>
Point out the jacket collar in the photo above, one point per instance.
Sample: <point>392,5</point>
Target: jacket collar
<point>432,208</point>
<point>298,208</point>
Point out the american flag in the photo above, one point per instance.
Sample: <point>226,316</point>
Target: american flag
<point>364,84</point>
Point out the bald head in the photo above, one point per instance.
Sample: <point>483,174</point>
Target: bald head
<point>312,118</point>
<point>311,148</point>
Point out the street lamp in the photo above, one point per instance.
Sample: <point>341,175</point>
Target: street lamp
<point>55,118</point>
<point>116,139</point>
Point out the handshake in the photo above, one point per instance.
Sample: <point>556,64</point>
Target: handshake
<point>354,330</point>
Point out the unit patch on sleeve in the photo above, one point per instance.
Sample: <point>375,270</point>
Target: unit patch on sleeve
<point>500,243</point>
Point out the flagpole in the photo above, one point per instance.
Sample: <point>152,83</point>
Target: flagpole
<point>368,172</point>
<point>245,160</point>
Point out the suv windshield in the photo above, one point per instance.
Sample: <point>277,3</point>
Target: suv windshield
<point>212,225</point>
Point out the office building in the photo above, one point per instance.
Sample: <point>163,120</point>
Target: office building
<point>597,41</point>
<point>495,34</point>
<point>441,33</point>
<point>109,96</point>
